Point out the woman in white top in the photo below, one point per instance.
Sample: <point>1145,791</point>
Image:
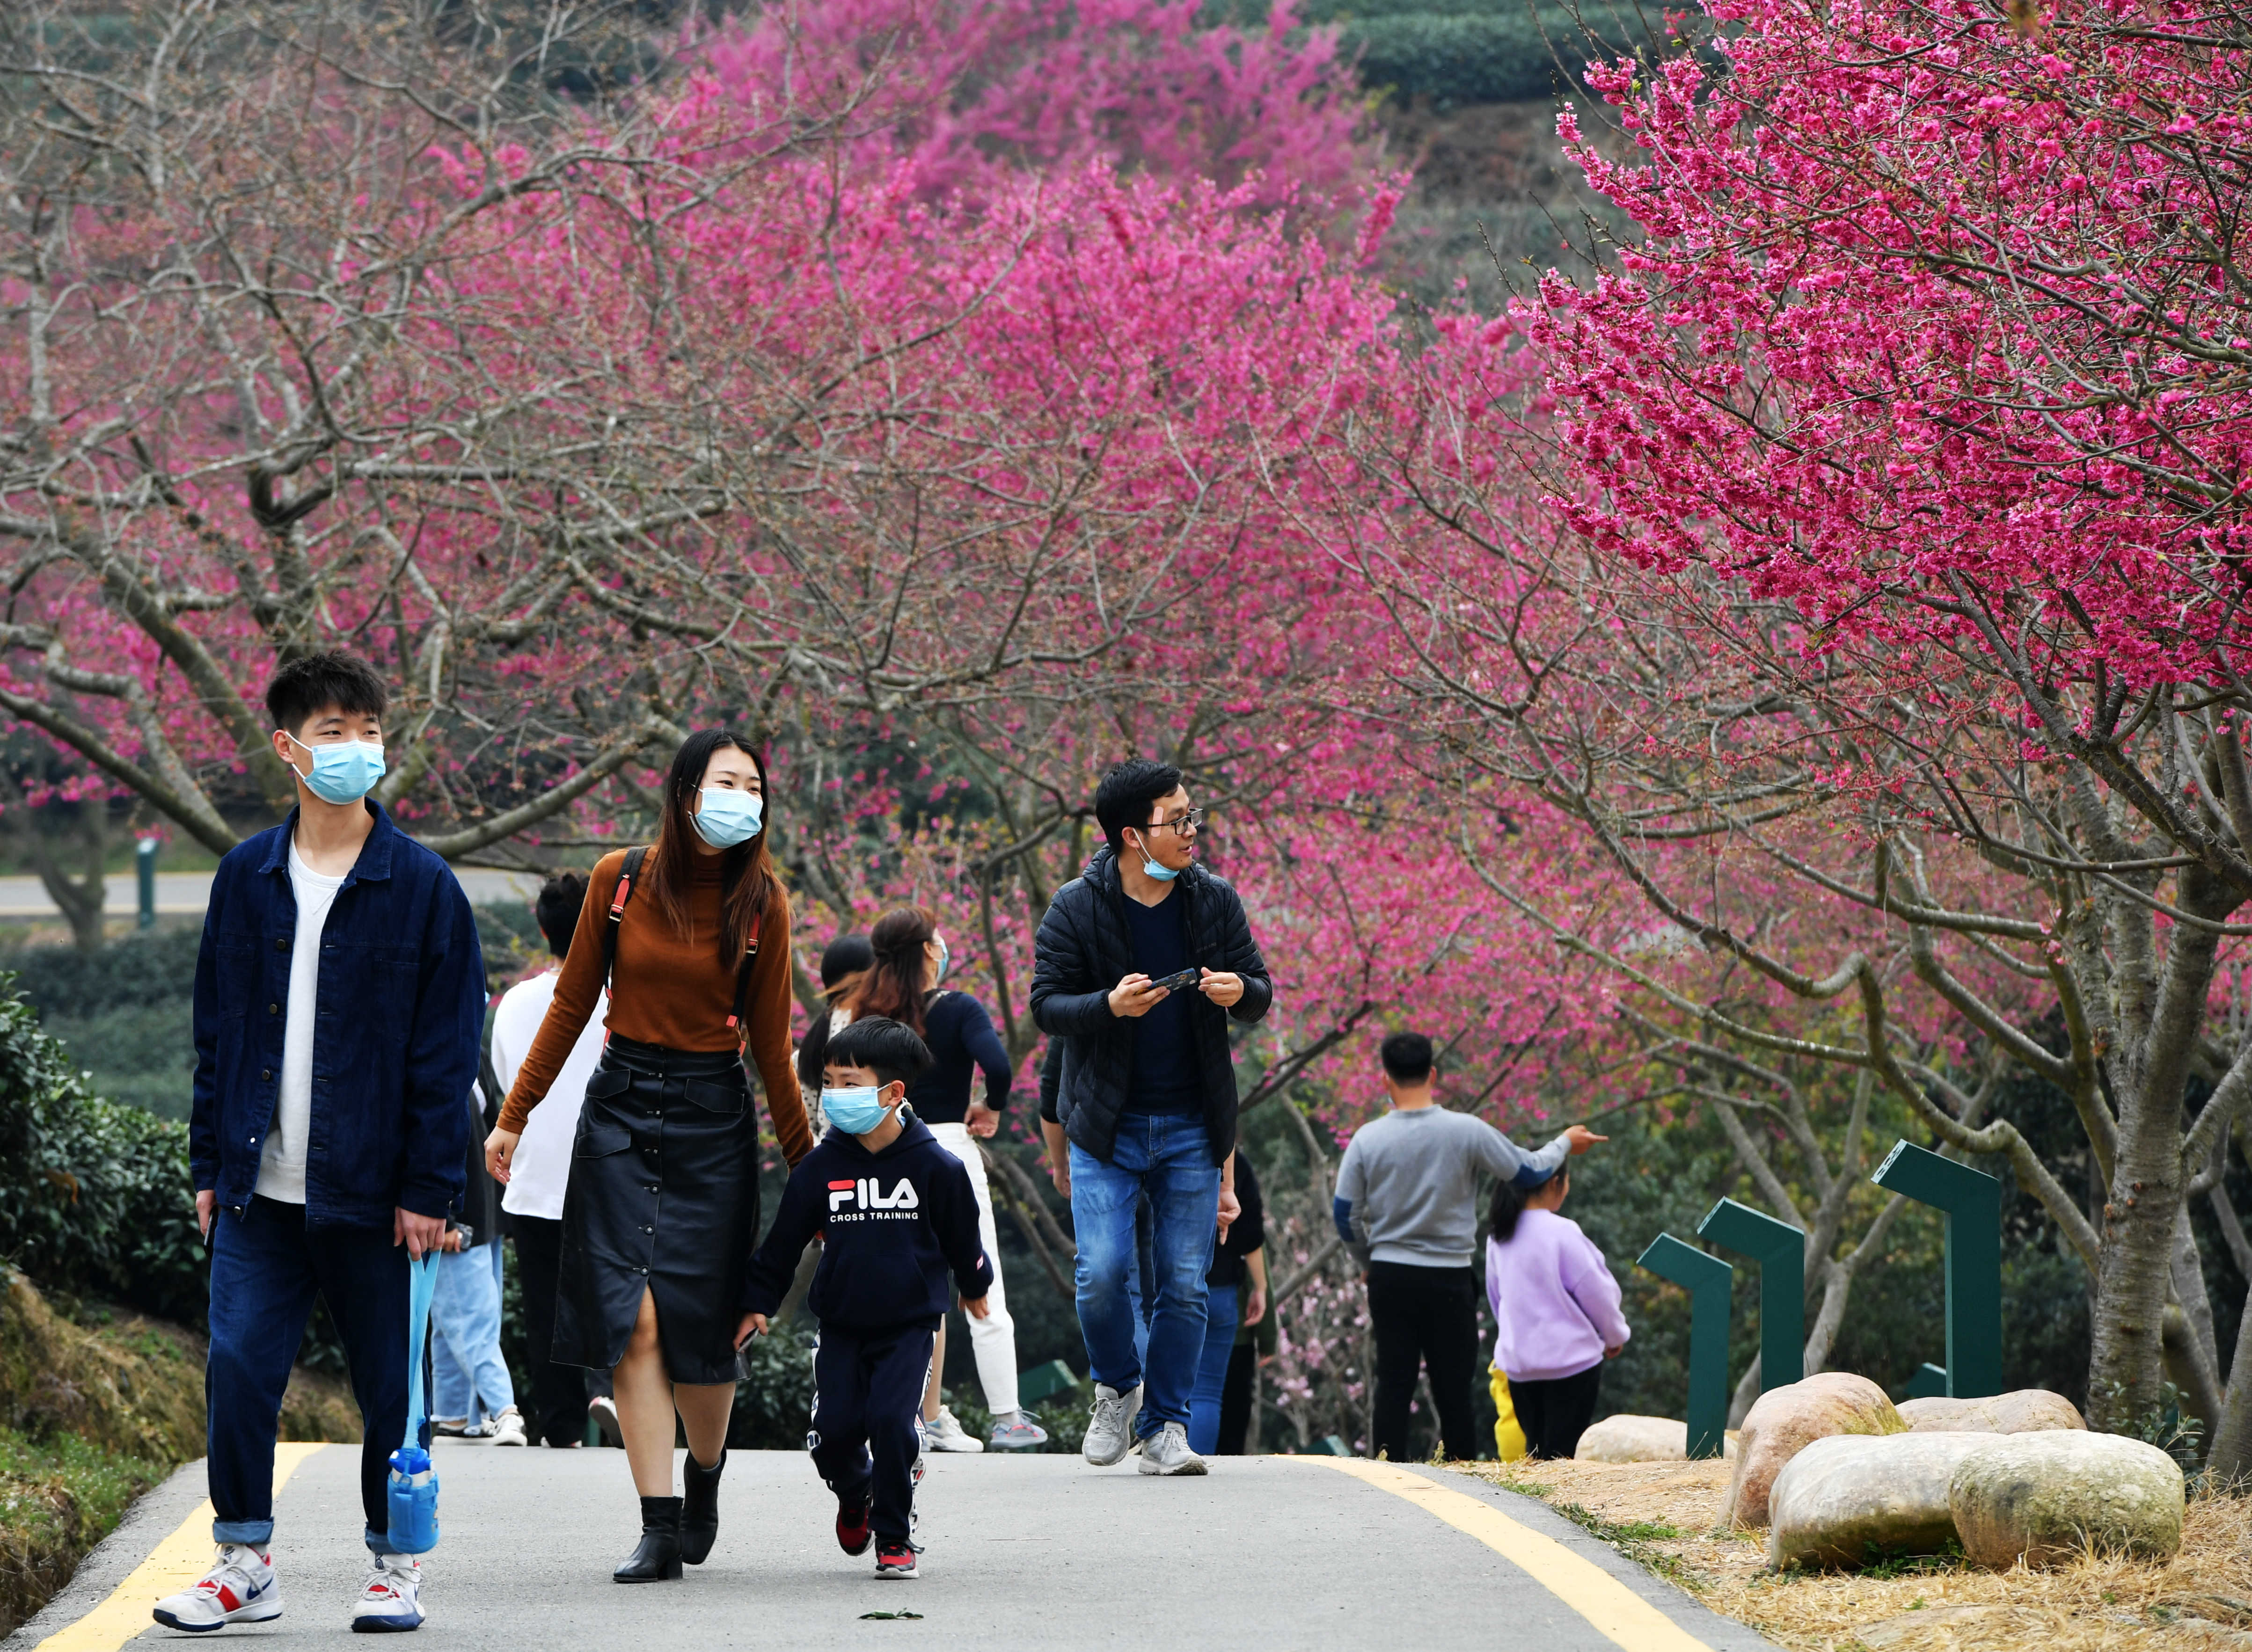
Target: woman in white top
<point>534,1195</point>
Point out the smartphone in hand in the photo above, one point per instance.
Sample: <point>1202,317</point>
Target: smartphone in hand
<point>1176,983</point>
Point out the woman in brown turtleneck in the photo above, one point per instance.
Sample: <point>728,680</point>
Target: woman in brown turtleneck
<point>662,1210</point>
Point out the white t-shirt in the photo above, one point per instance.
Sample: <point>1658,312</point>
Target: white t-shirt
<point>281,1164</point>
<point>542,1165</point>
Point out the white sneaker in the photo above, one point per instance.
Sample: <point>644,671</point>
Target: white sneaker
<point>1110,1426</point>
<point>946,1434</point>
<point>1167,1452</point>
<point>604,1411</point>
<point>392,1598</point>
<point>239,1588</point>
<point>507,1429</point>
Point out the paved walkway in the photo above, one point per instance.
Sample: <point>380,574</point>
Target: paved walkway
<point>1266,1554</point>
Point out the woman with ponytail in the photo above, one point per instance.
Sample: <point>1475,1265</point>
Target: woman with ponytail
<point>661,1212</point>
<point>910,958</point>
<point>1557,1307</point>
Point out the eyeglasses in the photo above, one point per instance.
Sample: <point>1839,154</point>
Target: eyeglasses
<point>1182,827</point>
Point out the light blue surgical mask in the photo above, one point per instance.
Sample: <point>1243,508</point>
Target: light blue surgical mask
<point>342,773</point>
<point>1152,869</point>
<point>856,1111</point>
<point>945,960</point>
<point>728,818</point>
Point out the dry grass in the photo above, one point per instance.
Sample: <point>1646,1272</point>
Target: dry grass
<point>2201,1598</point>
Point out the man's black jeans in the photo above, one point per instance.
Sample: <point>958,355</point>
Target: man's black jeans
<point>559,1393</point>
<point>1423,1317</point>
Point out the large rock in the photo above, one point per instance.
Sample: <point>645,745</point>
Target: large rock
<point>1841,1497</point>
<point>2027,1411</point>
<point>2047,1497</point>
<point>1784,1421</point>
<point>1627,1437</point>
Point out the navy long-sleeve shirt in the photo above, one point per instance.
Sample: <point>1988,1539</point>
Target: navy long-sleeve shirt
<point>962,1042</point>
<point>894,1225</point>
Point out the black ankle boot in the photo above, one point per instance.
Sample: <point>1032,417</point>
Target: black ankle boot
<point>699,1509</point>
<point>658,1559</point>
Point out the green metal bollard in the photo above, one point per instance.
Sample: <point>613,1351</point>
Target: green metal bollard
<point>144,867</point>
<point>1780,1249</point>
<point>1929,1383</point>
<point>1707,1279</point>
<point>1972,1201</point>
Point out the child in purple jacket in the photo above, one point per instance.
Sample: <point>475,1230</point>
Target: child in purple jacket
<point>1553,1297</point>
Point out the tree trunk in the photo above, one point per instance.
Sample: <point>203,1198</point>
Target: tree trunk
<point>80,899</point>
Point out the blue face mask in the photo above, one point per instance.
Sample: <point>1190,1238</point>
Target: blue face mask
<point>728,818</point>
<point>856,1111</point>
<point>342,773</point>
<point>1152,869</point>
<point>945,960</point>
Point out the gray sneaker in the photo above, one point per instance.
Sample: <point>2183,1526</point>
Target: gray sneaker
<point>1017,1432</point>
<point>1110,1428</point>
<point>1167,1452</point>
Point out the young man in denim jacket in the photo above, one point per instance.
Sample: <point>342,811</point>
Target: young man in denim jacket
<point>339,1000</point>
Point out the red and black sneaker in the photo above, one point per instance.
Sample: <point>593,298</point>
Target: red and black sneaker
<point>895,1559</point>
<point>852,1530</point>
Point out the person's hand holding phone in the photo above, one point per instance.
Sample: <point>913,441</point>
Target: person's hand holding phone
<point>1222,987</point>
<point>1134,996</point>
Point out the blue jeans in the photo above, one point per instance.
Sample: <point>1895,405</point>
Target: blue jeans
<point>1167,1159</point>
<point>1212,1369</point>
<point>266,1267</point>
<point>465,1336</point>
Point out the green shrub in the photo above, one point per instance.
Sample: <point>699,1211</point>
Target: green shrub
<point>95,1197</point>
<point>774,1402</point>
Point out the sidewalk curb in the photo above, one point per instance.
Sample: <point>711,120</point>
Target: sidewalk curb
<point>154,1516</point>
<point>1721,1633</point>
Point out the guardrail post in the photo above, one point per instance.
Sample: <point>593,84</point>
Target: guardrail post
<point>1707,1280</point>
<point>1973,1202</point>
<point>1780,1250</point>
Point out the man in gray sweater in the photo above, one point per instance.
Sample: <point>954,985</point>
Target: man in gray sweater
<point>1406,1206</point>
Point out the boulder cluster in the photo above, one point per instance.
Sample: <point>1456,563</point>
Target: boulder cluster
<point>1840,1476</point>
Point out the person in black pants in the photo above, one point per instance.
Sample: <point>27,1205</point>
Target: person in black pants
<point>899,1221</point>
<point>1406,1205</point>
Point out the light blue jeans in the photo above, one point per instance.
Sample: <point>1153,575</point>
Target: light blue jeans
<point>1166,1159</point>
<point>467,1368</point>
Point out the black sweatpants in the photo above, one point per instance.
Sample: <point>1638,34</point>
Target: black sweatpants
<point>1554,1413</point>
<point>1235,1399</point>
<point>1423,1317</point>
<point>867,1393</point>
<point>558,1412</point>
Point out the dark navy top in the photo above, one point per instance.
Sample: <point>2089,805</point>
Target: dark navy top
<point>1165,1057</point>
<point>961,1042</point>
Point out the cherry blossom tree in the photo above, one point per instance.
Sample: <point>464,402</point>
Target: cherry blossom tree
<point>1874,609</point>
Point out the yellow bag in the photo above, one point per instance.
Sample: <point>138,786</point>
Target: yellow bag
<point>1508,1438</point>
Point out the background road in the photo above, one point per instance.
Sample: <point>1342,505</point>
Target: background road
<point>189,893</point>
<point>1024,1553</point>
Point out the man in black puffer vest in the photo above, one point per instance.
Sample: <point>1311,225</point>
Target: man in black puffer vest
<point>1138,965</point>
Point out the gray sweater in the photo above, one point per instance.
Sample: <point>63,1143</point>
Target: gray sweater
<point>1407,1190</point>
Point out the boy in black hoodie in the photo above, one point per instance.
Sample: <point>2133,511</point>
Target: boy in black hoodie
<point>896,1215</point>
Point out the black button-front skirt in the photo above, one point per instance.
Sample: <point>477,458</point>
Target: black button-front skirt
<point>663,1196</point>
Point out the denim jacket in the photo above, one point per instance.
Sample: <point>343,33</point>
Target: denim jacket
<point>399,1016</point>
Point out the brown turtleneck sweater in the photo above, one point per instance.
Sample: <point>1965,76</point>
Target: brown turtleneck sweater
<point>672,989</point>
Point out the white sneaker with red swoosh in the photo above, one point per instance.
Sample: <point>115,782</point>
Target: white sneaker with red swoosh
<point>390,1599</point>
<point>239,1588</point>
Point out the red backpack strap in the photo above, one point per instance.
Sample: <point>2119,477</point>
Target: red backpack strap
<point>628,876</point>
<point>743,973</point>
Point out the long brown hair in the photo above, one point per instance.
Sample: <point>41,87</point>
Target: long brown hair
<point>746,874</point>
<point>892,985</point>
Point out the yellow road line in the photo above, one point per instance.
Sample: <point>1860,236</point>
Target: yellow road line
<point>1615,1611</point>
<point>171,1565</point>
